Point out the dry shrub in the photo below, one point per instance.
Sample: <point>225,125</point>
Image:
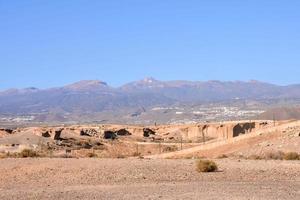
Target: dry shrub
<point>206,166</point>
<point>222,156</point>
<point>170,148</point>
<point>136,154</point>
<point>292,156</point>
<point>91,155</point>
<point>120,156</point>
<point>255,157</point>
<point>279,155</point>
<point>28,153</point>
<point>65,155</point>
<point>11,155</point>
<point>2,156</point>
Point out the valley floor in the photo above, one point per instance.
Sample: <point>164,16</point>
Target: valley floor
<point>89,178</point>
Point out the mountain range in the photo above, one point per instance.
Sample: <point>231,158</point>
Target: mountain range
<point>85,98</point>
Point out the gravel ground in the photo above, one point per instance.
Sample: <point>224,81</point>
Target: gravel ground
<point>45,178</point>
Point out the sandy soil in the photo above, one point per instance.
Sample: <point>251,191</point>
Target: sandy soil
<point>284,137</point>
<point>45,178</point>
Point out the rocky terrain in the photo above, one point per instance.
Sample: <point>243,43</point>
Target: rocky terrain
<point>241,138</point>
<point>121,140</point>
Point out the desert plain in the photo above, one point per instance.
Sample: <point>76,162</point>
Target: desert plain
<point>255,159</point>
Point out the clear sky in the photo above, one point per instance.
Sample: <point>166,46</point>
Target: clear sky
<point>55,42</point>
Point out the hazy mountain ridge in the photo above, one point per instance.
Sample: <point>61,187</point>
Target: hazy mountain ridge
<point>94,96</point>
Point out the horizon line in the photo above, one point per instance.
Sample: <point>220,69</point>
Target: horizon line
<point>144,79</point>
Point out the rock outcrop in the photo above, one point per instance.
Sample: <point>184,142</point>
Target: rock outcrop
<point>148,132</point>
<point>110,135</point>
<point>123,132</point>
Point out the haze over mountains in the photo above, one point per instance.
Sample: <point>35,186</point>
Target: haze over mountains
<point>91,97</point>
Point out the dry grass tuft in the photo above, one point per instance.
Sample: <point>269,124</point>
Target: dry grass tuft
<point>28,153</point>
<point>91,155</point>
<point>120,156</point>
<point>136,154</point>
<point>206,166</point>
<point>279,155</point>
<point>276,155</point>
<point>254,157</point>
<point>292,156</point>
<point>222,156</point>
<point>2,156</point>
<point>170,148</point>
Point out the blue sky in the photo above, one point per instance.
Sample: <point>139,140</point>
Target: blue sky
<point>52,43</point>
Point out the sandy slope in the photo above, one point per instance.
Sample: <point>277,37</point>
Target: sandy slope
<point>146,179</point>
<point>286,134</point>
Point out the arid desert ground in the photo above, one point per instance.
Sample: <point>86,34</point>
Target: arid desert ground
<point>92,178</point>
<point>256,160</point>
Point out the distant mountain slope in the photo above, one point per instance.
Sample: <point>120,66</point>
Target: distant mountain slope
<point>212,90</point>
<point>94,96</point>
<point>283,113</point>
<point>81,97</point>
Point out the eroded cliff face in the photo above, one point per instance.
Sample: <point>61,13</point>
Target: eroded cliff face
<point>193,132</point>
<point>210,131</point>
<point>115,141</point>
<point>71,136</point>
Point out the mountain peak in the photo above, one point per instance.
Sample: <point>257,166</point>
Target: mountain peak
<point>149,80</point>
<point>146,83</point>
<point>14,91</point>
<point>87,84</point>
